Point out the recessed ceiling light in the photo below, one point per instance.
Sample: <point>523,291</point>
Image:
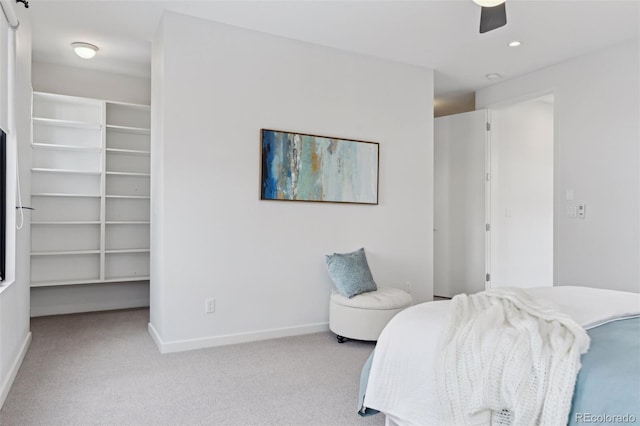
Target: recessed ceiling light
<point>514,43</point>
<point>493,76</point>
<point>488,3</point>
<point>84,50</point>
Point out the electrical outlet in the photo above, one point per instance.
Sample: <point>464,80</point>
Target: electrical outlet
<point>210,306</point>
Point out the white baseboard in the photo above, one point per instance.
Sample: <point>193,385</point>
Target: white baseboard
<point>13,371</point>
<point>230,339</point>
<point>155,336</point>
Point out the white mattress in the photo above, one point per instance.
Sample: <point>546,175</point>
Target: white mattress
<point>402,379</point>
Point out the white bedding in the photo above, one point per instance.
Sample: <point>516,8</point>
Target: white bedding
<point>402,382</point>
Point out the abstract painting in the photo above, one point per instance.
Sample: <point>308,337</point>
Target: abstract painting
<point>300,167</point>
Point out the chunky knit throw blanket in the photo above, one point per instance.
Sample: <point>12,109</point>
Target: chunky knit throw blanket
<point>507,360</point>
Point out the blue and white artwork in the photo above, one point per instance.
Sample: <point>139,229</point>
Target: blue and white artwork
<point>299,167</point>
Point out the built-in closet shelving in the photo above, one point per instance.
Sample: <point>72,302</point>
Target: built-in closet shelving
<point>90,190</point>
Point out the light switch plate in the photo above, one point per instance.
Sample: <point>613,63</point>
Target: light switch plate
<point>582,210</point>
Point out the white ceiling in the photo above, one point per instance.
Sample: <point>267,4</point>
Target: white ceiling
<point>442,35</point>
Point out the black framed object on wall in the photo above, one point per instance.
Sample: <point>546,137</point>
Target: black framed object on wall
<point>304,167</point>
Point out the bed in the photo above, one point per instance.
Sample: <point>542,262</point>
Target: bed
<point>400,379</point>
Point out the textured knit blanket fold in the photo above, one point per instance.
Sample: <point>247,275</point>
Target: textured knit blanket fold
<point>508,360</point>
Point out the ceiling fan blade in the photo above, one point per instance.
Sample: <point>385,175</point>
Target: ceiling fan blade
<point>493,17</point>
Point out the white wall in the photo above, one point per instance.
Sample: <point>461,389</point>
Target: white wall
<point>522,195</point>
<point>53,78</point>
<point>14,297</point>
<point>87,83</point>
<point>214,88</point>
<point>597,142</point>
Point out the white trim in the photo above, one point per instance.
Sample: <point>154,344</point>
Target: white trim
<point>487,198</point>
<point>230,339</point>
<point>525,97</point>
<point>155,336</point>
<point>6,284</point>
<point>13,371</point>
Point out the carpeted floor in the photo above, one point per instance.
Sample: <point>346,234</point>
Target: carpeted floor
<point>103,368</point>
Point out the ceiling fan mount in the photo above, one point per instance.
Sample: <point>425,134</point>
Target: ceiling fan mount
<point>493,14</point>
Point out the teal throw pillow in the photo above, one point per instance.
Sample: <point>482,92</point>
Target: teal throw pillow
<point>350,273</point>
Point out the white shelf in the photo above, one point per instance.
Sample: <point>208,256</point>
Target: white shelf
<point>130,106</point>
<point>128,174</point>
<point>128,151</point>
<point>121,251</point>
<point>66,147</point>
<point>132,197</point>
<point>47,194</point>
<point>88,281</point>
<point>67,282</point>
<point>65,171</point>
<point>128,278</point>
<point>128,129</point>
<point>64,253</point>
<point>65,222</point>
<point>128,222</point>
<point>66,123</point>
<point>86,149</point>
<point>58,99</point>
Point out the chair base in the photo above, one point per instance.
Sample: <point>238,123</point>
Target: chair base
<point>365,323</point>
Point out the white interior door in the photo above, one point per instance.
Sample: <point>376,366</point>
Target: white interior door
<point>521,246</point>
<point>459,203</point>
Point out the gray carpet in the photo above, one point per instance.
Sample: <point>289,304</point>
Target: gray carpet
<point>103,368</point>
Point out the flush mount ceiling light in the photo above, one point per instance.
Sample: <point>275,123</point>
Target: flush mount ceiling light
<point>514,43</point>
<point>493,76</point>
<point>84,50</point>
<point>488,3</point>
